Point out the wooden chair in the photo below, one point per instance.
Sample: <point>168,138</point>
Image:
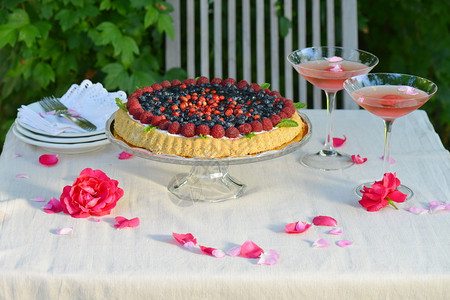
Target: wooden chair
<point>241,40</point>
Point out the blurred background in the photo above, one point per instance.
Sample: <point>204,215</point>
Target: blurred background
<point>46,46</point>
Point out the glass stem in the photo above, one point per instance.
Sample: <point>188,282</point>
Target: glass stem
<point>387,145</point>
<point>328,149</point>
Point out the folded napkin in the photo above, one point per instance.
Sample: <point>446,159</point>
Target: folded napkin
<point>91,101</point>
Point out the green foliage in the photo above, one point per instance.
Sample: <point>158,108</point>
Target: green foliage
<point>46,46</point>
<point>412,37</point>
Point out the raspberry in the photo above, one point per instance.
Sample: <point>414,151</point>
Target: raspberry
<point>146,117</point>
<point>176,82</point>
<point>245,128</point>
<point>156,120</point>
<point>267,91</point>
<point>164,124</point>
<point>289,110</point>
<point>241,84</point>
<point>216,80</point>
<point>275,93</point>
<point>174,128</point>
<point>202,80</point>
<point>166,84</point>
<point>137,112</point>
<point>156,86</point>
<point>137,93</point>
<point>146,89</point>
<point>232,132</point>
<point>190,81</point>
<point>229,80</point>
<point>283,115</point>
<point>202,130</point>
<point>275,119</point>
<point>217,131</point>
<point>256,126</point>
<point>267,124</point>
<point>188,130</point>
<point>132,102</point>
<point>256,87</point>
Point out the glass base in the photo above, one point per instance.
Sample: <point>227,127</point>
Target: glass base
<point>402,188</point>
<point>327,161</point>
<point>206,183</point>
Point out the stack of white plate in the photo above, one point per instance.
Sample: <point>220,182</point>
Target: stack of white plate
<point>66,142</point>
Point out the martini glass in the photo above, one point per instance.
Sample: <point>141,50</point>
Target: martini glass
<point>389,96</point>
<point>327,68</point>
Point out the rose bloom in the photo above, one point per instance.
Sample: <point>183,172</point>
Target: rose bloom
<point>91,194</point>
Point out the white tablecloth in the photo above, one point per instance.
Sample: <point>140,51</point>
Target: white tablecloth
<point>395,254</point>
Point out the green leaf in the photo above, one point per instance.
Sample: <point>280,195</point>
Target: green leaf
<point>175,73</point>
<point>120,104</point>
<point>151,16</point>
<point>116,76</point>
<point>203,136</point>
<point>66,63</point>
<point>67,18</point>
<point>18,18</point>
<point>8,35</point>
<point>265,85</point>
<point>109,34</point>
<point>165,25</point>
<point>250,135</point>
<point>299,105</point>
<point>139,78</point>
<point>43,74</point>
<point>28,34</point>
<point>149,127</point>
<point>287,123</point>
<point>44,27</point>
<point>285,25</point>
<point>127,48</point>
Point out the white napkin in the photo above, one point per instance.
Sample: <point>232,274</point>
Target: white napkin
<point>91,101</point>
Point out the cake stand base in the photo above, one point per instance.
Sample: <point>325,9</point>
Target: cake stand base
<point>206,183</point>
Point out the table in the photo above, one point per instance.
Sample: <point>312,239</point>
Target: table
<point>395,254</point>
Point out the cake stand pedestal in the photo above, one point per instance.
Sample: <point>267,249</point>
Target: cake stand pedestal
<point>208,179</point>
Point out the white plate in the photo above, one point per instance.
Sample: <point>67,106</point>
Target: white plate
<point>62,148</point>
<point>57,139</point>
<point>37,108</point>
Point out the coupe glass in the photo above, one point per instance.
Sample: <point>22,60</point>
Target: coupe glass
<point>389,96</point>
<point>327,68</point>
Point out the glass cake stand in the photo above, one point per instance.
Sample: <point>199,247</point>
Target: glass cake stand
<point>208,179</point>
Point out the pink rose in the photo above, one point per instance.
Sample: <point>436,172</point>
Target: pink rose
<point>91,194</point>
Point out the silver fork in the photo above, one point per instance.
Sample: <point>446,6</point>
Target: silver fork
<point>53,104</point>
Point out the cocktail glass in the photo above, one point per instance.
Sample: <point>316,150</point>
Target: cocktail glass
<point>389,96</point>
<point>327,68</point>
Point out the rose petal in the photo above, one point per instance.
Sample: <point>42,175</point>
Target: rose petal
<point>417,210</point>
<point>17,155</point>
<point>336,231</point>
<point>320,243</point>
<point>22,175</point>
<point>391,160</point>
<point>97,220</point>
<point>297,227</point>
<point>212,251</point>
<point>125,155</point>
<point>41,115</point>
<point>336,68</point>
<point>51,113</point>
<point>251,250</point>
<point>358,160</point>
<point>48,159</point>
<point>437,208</point>
<point>324,221</point>
<point>73,113</point>
<point>38,199</point>
<point>334,59</point>
<point>338,142</point>
<point>124,222</point>
<point>235,251</point>
<point>269,258</point>
<point>53,206</point>
<point>184,239</point>
<point>409,90</point>
<point>344,243</point>
<point>65,231</point>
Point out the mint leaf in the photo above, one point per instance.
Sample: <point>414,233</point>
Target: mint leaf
<point>250,135</point>
<point>120,104</point>
<point>265,85</point>
<point>287,123</point>
<point>299,105</point>
<point>148,128</point>
<point>203,136</point>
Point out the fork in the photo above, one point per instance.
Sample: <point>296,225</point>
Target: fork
<point>53,104</point>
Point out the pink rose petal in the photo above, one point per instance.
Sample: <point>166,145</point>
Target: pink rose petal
<point>212,251</point>
<point>51,113</point>
<point>251,250</point>
<point>125,155</point>
<point>53,206</point>
<point>391,160</point>
<point>436,206</point>
<point>320,243</point>
<point>124,222</point>
<point>22,175</point>
<point>417,210</point>
<point>335,59</point>
<point>41,115</point>
<point>324,221</point>
<point>336,231</point>
<point>358,160</point>
<point>187,240</point>
<point>336,68</point>
<point>38,199</point>
<point>338,142</point>
<point>48,159</point>
<point>269,258</point>
<point>64,231</point>
<point>17,155</point>
<point>97,220</point>
<point>409,90</point>
<point>74,113</point>
<point>344,243</point>
<point>297,227</point>
<point>235,251</point>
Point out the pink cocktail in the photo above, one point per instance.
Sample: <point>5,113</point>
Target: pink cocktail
<point>389,96</point>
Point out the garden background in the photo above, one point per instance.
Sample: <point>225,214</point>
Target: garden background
<point>46,46</point>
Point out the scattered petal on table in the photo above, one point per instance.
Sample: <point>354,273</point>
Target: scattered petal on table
<point>124,222</point>
<point>324,221</point>
<point>358,160</point>
<point>320,243</point>
<point>125,155</point>
<point>74,113</point>
<point>251,250</point>
<point>338,142</point>
<point>344,243</point>
<point>391,160</point>
<point>53,206</point>
<point>97,220</point>
<point>336,231</point>
<point>269,258</point>
<point>38,199</point>
<point>235,251</point>
<point>41,115</point>
<point>22,175</point>
<point>64,231</point>
<point>213,251</point>
<point>436,206</point>
<point>187,240</point>
<point>17,155</point>
<point>417,210</point>
<point>297,227</point>
<point>48,159</point>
